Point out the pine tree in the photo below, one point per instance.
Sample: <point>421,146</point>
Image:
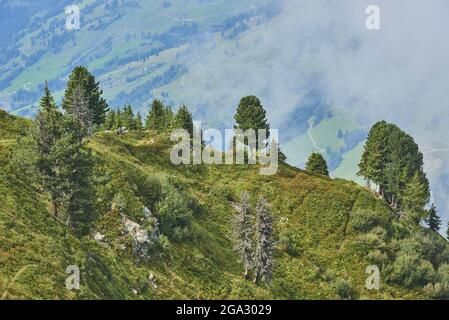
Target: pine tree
<point>251,115</point>
<point>392,159</point>
<point>416,194</point>
<point>138,122</point>
<point>156,117</point>
<point>243,229</point>
<point>263,257</point>
<point>374,156</point>
<point>317,164</point>
<point>118,119</point>
<point>433,220</point>
<point>80,108</point>
<point>169,119</point>
<point>98,107</point>
<point>183,120</point>
<point>109,123</point>
<point>128,118</point>
<point>74,165</point>
<point>49,129</point>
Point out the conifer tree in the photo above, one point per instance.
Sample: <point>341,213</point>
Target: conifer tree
<point>183,120</point>
<point>80,108</point>
<point>81,77</point>
<point>317,164</point>
<point>263,257</point>
<point>109,123</point>
<point>49,129</point>
<point>75,165</point>
<point>374,156</point>
<point>243,229</point>
<point>169,119</point>
<point>156,117</point>
<point>433,220</point>
<point>118,119</point>
<point>250,114</point>
<point>393,161</point>
<point>416,194</point>
<point>128,118</point>
<point>138,122</point>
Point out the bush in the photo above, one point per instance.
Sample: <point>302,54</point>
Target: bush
<point>342,288</point>
<point>289,243</point>
<point>440,288</point>
<point>410,270</point>
<point>174,214</point>
<point>365,220</point>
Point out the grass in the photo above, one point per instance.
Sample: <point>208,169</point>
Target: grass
<point>37,248</point>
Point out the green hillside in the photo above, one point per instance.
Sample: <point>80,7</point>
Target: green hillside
<point>328,231</point>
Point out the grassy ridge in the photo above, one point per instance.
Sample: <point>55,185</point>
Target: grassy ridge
<point>327,255</point>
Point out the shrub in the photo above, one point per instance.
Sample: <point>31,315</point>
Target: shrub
<point>289,243</point>
<point>365,220</point>
<point>174,214</point>
<point>440,288</point>
<point>410,270</point>
<point>342,288</point>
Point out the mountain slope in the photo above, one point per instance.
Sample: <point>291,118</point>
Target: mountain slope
<point>329,232</point>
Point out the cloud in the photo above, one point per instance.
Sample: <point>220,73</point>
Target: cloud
<point>398,73</point>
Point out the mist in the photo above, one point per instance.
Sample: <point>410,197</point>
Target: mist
<point>398,73</point>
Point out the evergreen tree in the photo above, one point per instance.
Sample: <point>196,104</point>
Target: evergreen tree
<point>393,161</point>
<point>138,122</point>
<point>128,118</point>
<point>183,120</point>
<point>49,129</point>
<point>416,194</point>
<point>169,119</point>
<point>74,165</point>
<point>118,119</point>
<point>263,257</point>
<point>374,156</point>
<point>251,115</point>
<point>317,164</point>
<point>156,117</point>
<point>109,123</point>
<point>80,108</point>
<point>243,229</point>
<point>433,220</point>
<point>81,77</point>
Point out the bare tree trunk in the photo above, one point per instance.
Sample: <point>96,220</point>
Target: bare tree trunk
<point>55,208</point>
<point>246,273</point>
<point>256,278</point>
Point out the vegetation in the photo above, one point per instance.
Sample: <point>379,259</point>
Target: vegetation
<point>140,227</point>
<point>83,88</point>
<point>317,164</point>
<point>392,160</point>
<point>250,114</point>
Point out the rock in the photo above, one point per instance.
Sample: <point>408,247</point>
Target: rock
<point>146,212</point>
<point>121,130</point>
<point>152,280</point>
<point>99,237</point>
<point>139,234</point>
